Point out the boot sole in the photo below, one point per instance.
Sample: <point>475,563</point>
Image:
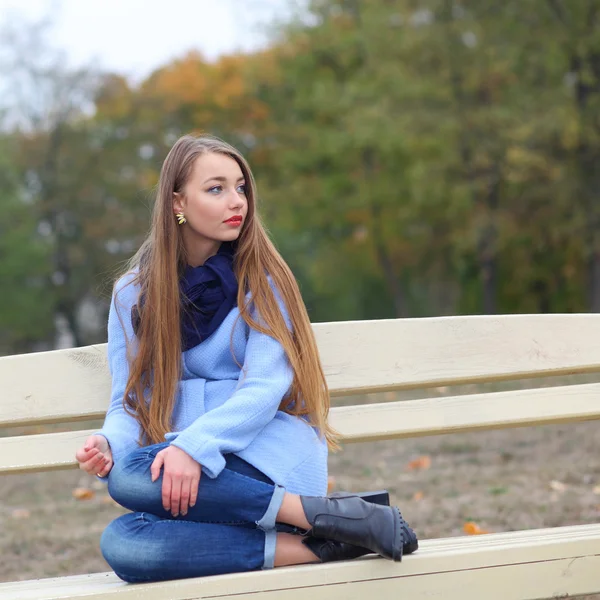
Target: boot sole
<point>383,497</point>
<point>398,539</point>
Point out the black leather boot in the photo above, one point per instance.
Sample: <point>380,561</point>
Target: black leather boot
<point>331,550</point>
<point>351,520</point>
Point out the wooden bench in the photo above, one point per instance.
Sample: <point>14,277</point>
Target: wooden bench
<point>360,357</point>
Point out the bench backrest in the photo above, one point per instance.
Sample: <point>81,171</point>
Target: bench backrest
<point>64,386</point>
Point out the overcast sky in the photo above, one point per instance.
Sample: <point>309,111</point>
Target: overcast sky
<point>135,36</point>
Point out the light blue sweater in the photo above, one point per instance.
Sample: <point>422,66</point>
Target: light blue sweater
<point>220,408</point>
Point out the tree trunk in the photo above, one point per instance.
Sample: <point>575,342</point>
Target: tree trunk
<point>383,256</point>
<point>489,282</point>
<point>51,213</point>
<point>488,252</point>
<point>392,280</point>
<point>69,313</point>
<point>593,269</point>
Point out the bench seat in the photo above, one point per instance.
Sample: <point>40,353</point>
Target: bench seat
<point>540,563</point>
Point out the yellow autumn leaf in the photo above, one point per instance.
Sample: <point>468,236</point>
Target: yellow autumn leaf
<point>83,494</point>
<point>471,528</point>
<point>422,462</point>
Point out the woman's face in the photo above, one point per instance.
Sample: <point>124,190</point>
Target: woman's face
<point>214,194</point>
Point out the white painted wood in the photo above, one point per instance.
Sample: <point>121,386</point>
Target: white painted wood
<point>368,422</point>
<point>364,356</point>
<point>358,356</point>
<point>57,386</point>
<point>521,565</point>
<point>43,452</point>
<point>473,412</point>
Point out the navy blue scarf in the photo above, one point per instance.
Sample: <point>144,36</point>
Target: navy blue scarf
<point>208,293</point>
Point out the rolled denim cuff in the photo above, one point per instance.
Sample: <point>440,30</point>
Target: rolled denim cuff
<point>270,543</point>
<point>267,522</point>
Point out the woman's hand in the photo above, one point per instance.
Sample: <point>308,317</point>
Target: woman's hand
<point>95,456</point>
<point>181,477</point>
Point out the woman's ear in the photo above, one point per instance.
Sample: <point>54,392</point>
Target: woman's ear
<point>178,202</point>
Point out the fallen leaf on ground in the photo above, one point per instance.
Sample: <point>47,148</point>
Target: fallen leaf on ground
<point>330,484</point>
<point>557,486</point>
<point>423,462</point>
<point>20,513</point>
<point>471,528</point>
<point>83,494</point>
<point>418,496</point>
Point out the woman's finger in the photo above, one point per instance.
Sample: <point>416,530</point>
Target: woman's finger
<point>95,464</point>
<point>175,495</point>
<point>83,455</point>
<point>157,464</point>
<point>166,491</point>
<point>105,468</point>
<point>184,503</point>
<point>194,490</point>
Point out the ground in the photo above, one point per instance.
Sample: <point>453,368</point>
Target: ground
<point>505,480</point>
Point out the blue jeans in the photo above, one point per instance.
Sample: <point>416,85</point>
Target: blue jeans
<point>231,528</point>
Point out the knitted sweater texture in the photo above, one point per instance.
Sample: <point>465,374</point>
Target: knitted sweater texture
<point>220,408</point>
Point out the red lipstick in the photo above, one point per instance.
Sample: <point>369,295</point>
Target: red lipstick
<point>234,221</point>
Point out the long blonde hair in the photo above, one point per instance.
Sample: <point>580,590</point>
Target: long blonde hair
<point>156,365</point>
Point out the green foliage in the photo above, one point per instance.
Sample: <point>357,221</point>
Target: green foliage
<point>414,158</point>
<point>26,307</point>
<point>439,146</point>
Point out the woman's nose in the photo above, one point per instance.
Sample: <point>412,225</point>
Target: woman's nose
<point>236,199</point>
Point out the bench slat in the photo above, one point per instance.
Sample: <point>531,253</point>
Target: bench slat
<point>43,452</point>
<point>358,357</point>
<point>473,412</point>
<point>517,565</point>
<point>368,422</point>
<point>57,386</point>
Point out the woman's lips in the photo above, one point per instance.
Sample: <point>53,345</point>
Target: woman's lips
<point>234,221</point>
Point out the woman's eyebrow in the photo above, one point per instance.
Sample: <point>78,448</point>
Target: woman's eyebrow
<point>223,179</point>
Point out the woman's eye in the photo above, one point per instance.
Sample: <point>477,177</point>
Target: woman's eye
<point>216,188</point>
<point>242,189</point>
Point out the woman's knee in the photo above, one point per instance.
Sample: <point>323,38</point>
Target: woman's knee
<point>115,543</point>
<point>124,547</point>
<point>130,477</point>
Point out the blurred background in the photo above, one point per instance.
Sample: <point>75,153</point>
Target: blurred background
<point>413,157</point>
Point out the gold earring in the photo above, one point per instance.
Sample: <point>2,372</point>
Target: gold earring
<point>181,218</point>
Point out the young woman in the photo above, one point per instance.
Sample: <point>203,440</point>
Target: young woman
<point>216,436</point>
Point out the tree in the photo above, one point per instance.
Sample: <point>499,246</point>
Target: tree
<point>49,105</point>
<point>26,307</point>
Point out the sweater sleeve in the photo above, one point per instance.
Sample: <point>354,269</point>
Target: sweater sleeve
<point>120,428</point>
<point>266,377</point>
